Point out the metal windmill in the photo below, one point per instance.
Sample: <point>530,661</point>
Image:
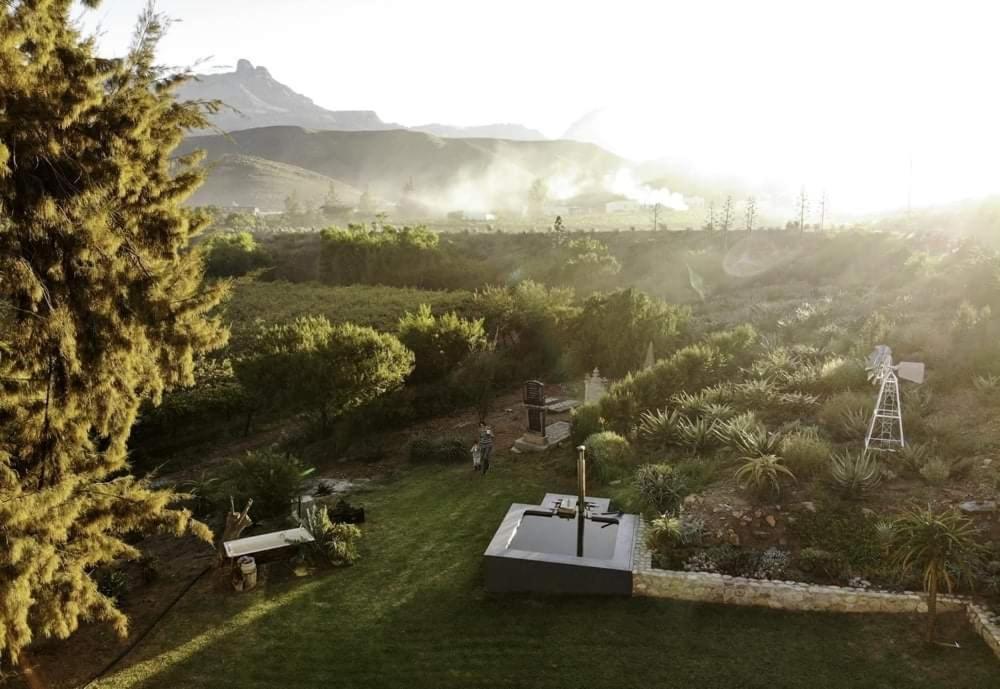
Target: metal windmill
<point>885,432</point>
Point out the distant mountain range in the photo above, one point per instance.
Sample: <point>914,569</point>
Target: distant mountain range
<point>252,98</point>
<point>446,174</point>
<point>514,132</point>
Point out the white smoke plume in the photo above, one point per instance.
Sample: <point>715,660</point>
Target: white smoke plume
<point>624,182</point>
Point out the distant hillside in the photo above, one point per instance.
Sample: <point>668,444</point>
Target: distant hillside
<point>514,132</point>
<point>446,173</point>
<point>253,98</point>
<point>242,180</point>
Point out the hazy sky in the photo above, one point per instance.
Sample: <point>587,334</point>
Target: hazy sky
<point>837,95</point>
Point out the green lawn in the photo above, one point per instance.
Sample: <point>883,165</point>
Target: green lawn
<point>413,614</point>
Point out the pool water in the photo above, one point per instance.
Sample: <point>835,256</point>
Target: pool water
<point>557,536</point>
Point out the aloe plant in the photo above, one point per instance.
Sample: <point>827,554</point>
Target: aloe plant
<point>763,475</point>
<point>855,473</point>
<point>660,428</point>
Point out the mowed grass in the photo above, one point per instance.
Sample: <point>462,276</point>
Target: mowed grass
<point>413,613</point>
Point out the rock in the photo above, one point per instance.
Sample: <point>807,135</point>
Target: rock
<point>771,521</point>
<point>978,506</point>
<point>808,506</point>
<point>868,512</point>
<point>691,500</point>
<point>737,514</point>
<point>733,538</point>
<point>758,514</point>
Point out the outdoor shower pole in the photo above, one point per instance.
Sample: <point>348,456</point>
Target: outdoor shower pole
<point>581,499</point>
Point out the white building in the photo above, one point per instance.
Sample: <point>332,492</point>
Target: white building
<point>478,215</point>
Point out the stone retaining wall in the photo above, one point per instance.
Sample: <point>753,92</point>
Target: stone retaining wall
<point>790,595</point>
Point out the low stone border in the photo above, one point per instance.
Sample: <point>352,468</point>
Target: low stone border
<point>790,595</point>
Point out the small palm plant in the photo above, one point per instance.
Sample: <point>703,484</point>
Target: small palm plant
<point>855,473</point>
<point>746,422</point>
<point>762,475</point>
<point>660,428</point>
<point>941,546</point>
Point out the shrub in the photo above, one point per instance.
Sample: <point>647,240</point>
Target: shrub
<point>586,421</point>
<point>855,473</point>
<point>697,474</point>
<point>112,583</point>
<point>659,429</point>
<point>771,564</point>
<point>335,542</point>
<point>439,450</point>
<point>845,532</point>
<point>936,471</point>
<point>608,454</point>
<point>846,414</point>
<point>763,475</point>
<point>661,488</point>
<point>272,479</point>
<point>821,562</point>
<point>804,452</point>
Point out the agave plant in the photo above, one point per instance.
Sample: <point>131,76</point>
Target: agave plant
<point>855,473</point>
<point>686,402</point>
<point>698,434</point>
<point>763,475</point>
<point>660,428</point>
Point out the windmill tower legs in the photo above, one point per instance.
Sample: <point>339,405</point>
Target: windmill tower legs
<point>886,429</point>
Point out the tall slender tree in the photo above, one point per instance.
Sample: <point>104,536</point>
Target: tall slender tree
<point>102,305</point>
<point>750,215</point>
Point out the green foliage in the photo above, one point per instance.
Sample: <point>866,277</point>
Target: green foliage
<point>659,429</point>
<point>102,307</point>
<point>819,562</point>
<point>847,534</point>
<point>327,369</point>
<point>805,452</point>
<point>256,303</point>
<point>613,331</point>
<point>233,254</point>
<point>527,322</point>
<point>855,473</point>
<point>270,478</point>
<point>335,542</point>
<point>846,414</point>
<point>440,451</point>
<point>439,343</point>
<point>661,488</point>
<point>763,475</point>
<point>608,455</point>
<point>690,368</point>
<point>696,473</point>
<point>586,421</point>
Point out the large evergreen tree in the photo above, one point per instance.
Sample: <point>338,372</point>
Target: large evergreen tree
<point>101,307</point>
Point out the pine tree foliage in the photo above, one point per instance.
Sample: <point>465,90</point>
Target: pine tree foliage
<point>101,307</point>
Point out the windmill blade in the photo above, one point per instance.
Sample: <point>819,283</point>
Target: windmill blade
<point>911,370</point>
